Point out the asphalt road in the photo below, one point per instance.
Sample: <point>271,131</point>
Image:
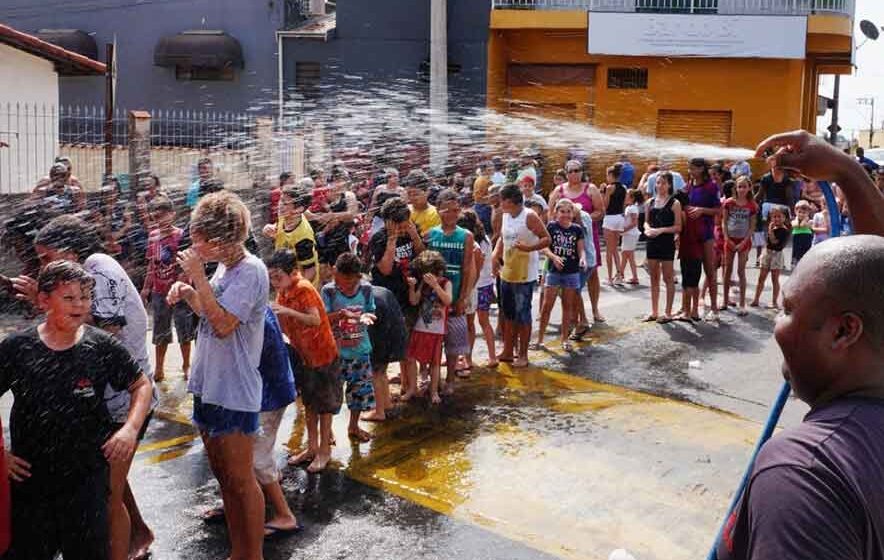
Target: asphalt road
<point>636,440</point>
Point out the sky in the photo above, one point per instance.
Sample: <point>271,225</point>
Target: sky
<point>867,79</point>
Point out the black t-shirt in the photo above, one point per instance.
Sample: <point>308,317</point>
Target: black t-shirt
<point>395,281</point>
<point>781,235</point>
<point>816,490</point>
<point>59,420</point>
<point>564,245</point>
<point>777,193</point>
<point>387,334</point>
<point>616,199</point>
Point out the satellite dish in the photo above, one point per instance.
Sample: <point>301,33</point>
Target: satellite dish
<point>869,29</point>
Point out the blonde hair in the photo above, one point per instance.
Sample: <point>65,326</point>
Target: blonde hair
<point>564,202</point>
<point>221,216</point>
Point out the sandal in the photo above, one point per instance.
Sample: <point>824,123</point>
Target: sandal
<point>663,319</point>
<point>567,346</point>
<point>215,516</point>
<point>649,319</point>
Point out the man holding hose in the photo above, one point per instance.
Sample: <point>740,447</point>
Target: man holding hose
<point>817,491</point>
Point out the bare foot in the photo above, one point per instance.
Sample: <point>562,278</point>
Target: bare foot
<point>186,370</point>
<point>374,416</point>
<point>139,547</point>
<point>434,398</point>
<point>359,435</point>
<point>159,375</point>
<point>304,456</point>
<point>598,318</point>
<point>491,365</point>
<point>406,397</point>
<point>319,462</point>
<point>506,358</point>
<point>520,362</point>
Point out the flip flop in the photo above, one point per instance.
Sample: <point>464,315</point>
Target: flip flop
<point>649,319</point>
<point>279,533</point>
<point>214,516</point>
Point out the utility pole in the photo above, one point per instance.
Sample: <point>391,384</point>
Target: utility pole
<point>869,101</point>
<point>834,128</point>
<point>438,84</point>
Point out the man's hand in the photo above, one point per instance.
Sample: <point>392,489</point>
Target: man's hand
<point>17,468</point>
<point>121,445</point>
<point>802,153</point>
<point>25,288</point>
<point>191,263</point>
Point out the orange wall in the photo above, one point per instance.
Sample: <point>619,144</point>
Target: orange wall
<point>764,95</point>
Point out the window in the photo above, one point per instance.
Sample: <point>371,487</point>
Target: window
<point>677,6</point>
<point>627,78</point>
<point>198,73</point>
<point>308,76</point>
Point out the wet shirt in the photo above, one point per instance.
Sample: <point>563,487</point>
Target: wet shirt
<point>739,217</point>
<point>425,219</point>
<point>300,241</point>
<point>404,254</point>
<point>116,302</point>
<point>350,334</point>
<point>277,377</point>
<point>387,334</point>
<point>316,345</point>
<point>777,192</point>
<point>815,490</point>
<point>225,370</point>
<point>451,246</point>
<point>162,251</point>
<point>432,316</point>
<point>564,245</point>
<point>59,418</point>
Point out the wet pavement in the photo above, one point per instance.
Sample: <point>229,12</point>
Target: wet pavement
<point>636,440</point>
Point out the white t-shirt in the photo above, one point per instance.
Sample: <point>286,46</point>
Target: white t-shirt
<point>116,302</point>
<point>631,210</point>
<point>485,276</point>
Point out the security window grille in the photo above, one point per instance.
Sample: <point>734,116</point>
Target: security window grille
<point>196,73</point>
<point>627,78</point>
<point>677,6</point>
<point>308,78</point>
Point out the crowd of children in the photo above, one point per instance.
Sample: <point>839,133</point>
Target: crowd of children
<point>349,286</point>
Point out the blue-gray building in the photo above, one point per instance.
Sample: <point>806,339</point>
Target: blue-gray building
<point>228,55</point>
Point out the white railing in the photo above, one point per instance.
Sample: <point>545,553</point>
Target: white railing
<point>743,7</point>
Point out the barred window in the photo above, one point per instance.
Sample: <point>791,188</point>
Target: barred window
<point>627,78</point>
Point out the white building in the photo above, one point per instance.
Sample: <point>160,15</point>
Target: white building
<point>29,71</point>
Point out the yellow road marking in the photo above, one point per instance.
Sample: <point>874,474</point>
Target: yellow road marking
<point>166,443</point>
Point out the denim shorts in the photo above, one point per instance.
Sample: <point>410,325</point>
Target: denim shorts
<point>561,280</point>
<point>218,421</point>
<point>515,301</point>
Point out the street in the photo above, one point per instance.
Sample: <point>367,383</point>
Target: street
<point>636,441</point>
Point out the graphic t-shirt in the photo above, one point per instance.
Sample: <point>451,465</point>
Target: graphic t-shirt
<point>451,247</point>
<point>225,370</point>
<point>316,345</point>
<point>299,241</point>
<point>739,217</point>
<point>162,251</point>
<point>404,254</point>
<point>432,316</point>
<point>116,302</point>
<point>563,244</point>
<point>350,334</point>
<point>59,419</point>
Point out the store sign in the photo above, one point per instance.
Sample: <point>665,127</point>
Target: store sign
<point>720,36</point>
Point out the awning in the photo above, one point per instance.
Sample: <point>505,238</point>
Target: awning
<point>72,40</point>
<point>199,49</point>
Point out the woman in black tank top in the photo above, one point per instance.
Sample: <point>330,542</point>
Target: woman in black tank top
<point>662,222</point>
<point>614,195</point>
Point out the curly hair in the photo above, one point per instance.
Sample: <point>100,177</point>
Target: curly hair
<point>428,261</point>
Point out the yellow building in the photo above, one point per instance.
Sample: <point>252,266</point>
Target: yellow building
<point>728,72</point>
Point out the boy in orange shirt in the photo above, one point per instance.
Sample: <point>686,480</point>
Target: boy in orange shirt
<point>303,319</point>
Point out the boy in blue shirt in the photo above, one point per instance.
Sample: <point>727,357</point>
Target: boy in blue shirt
<point>350,307</point>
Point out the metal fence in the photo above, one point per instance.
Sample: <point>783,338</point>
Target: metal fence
<point>31,136</point>
<point>734,7</point>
